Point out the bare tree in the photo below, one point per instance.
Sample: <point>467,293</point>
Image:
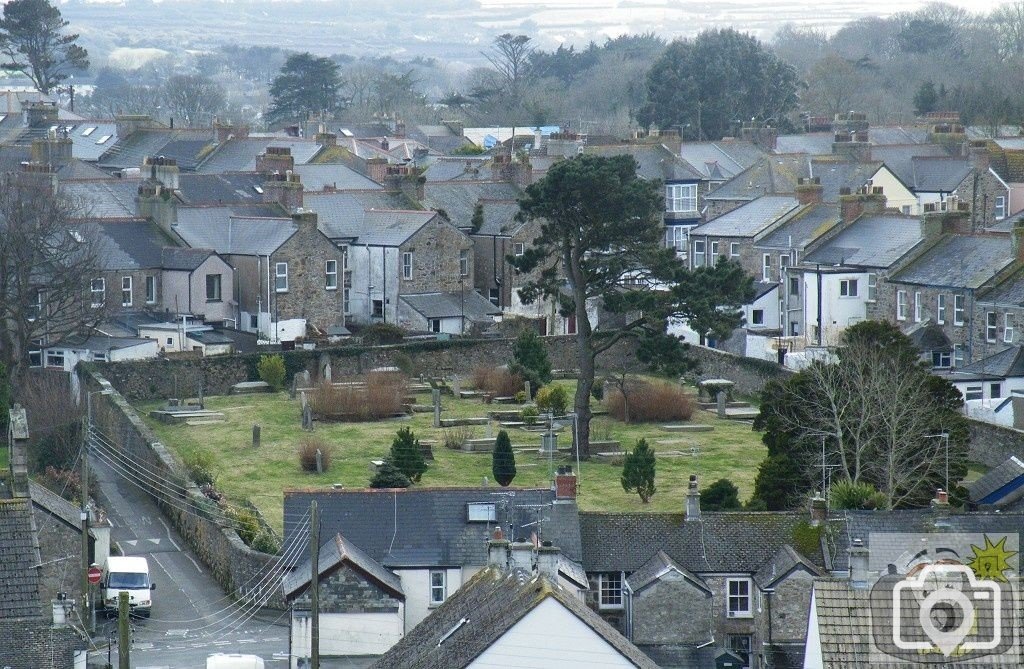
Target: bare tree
<point>510,56</point>
<point>51,288</point>
<point>1008,22</point>
<point>193,98</point>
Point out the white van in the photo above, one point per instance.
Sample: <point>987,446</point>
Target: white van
<point>233,661</point>
<point>131,575</point>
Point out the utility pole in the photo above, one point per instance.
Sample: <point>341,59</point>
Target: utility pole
<point>123,640</point>
<point>89,621</point>
<point>314,585</point>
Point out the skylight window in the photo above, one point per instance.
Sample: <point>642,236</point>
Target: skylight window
<point>103,139</point>
<point>481,512</point>
<point>88,131</point>
<point>258,189</point>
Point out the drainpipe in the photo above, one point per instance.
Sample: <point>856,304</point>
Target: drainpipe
<point>768,600</point>
<point>821,326</point>
<point>627,593</point>
<point>970,327</point>
<point>384,280</point>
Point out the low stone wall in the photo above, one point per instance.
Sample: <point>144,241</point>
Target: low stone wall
<point>239,569</point>
<point>992,444</point>
<point>160,379</point>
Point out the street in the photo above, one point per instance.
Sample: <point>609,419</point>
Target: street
<point>191,616</point>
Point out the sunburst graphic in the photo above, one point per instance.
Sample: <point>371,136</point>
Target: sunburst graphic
<point>991,561</point>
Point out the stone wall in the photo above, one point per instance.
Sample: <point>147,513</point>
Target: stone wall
<point>307,253</point>
<point>749,374</point>
<point>347,591</point>
<point>992,444</point>
<point>235,566</point>
<point>436,250</point>
<point>672,611</point>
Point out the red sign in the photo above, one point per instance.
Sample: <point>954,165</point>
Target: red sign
<point>95,573</point>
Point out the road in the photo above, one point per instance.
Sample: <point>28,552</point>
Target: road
<point>192,617</point>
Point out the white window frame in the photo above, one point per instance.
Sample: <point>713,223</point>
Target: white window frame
<point>714,249</point>
<point>675,238</point>
<point>52,356</point>
<point>438,584</point>
<point>794,282</point>
<point>743,592</point>
<point>281,277</point>
<point>518,249</point>
<point>901,305</point>
<point>958,355</point>
<point>218,285</point>
<point>126,291</point>
<point>346,301</point>
<point>958,309</point>
<point>872,287</point>
<point>680,198</point>
<point>698,256</point>
<point>1007,328</point>
<point>734,249</point>
<point>101,291</point>
<point>1000,207</point>
<point>747,654</point>
<point>150,290</point>
<point>848,288</point>
<point>991,327</point>
<point>766,267</point>
<point>974,392</point>
<point>331,274</point>
<point>918,311</point>
<point>464,262</point>
<point>940,309</point>
<point>942,359</point>
<point>753,317</point>
<point>609,591</point>
<point>36,309</point>
<point>407,265</point>
<point>995,390</point>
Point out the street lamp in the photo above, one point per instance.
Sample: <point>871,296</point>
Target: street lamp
<point>945,437</point>
<point>87,598</point>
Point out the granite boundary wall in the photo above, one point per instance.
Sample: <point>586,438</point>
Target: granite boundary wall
<point>992,444</point>
<point>236,567</point>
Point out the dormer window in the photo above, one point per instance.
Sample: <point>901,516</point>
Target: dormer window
<point>481,512</point>
<point>680,198</point>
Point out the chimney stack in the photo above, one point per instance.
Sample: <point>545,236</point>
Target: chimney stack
<point>39,179</point>
<point>692,499</point>
<point>275,159</point>
<point>305,218</point>
<point>17,437</point>
<point>977,153</point>
<point>547,560</point>
<point>497,550</point>
<point>521,555</point>
<point>858,564</point>
<point>164,170</point>
<point>158,204</point>
<point>941,499</point>
<point>809,191</point>
<point>285,189</point>
<point>324,138</point>
<point>819,510</point>
<point>377,169</point>
<point>127,124</point>
<point>565,484</point>
<point>40,114</point>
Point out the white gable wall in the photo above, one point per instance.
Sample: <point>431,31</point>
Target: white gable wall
<point>897,196</point>
<point>813,658</point>
<point>550,636</point>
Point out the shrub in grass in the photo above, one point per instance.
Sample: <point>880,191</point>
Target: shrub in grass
<point>553,398</point>
<point>246,523</point>
<point>857,496</point>
<point>407,455</point>
<point>265,542</point>
<point>503,460</point>
<point>529,415</point>
<point>381,396</point>
<point>199,468</point>
<point>389,476</point>
<point>497,381</point>
<point>307,454</point>
<point>722,495</point>
<point>529,352</point>
<point>454,437</point>
<point>271,370</point>
<point>638,471</point>
<point>645,402</point>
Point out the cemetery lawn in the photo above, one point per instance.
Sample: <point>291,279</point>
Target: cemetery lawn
<point>732,450</point>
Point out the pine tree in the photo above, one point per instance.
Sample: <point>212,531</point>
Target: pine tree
<point>407,456</point>
<point>388,476</point>
<point>503,462</point>
<point>529,352</point>
<point>638,471</point>
<point>477,221</point>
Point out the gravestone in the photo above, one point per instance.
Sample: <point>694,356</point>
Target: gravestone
<point>721,400</point>
<point>305,379</point>
<point>307,418</point>
<point>292,390</point>
<point>202,401</point>
<point>457,386</point>
<point>435,395</point>
<point>319,462</point>
<point>325,368</point>
<point>526,388</point>
<point>256,436</point>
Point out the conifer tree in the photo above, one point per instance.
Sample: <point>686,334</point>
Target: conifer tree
<point>503,462</point>
<point>638,471</point>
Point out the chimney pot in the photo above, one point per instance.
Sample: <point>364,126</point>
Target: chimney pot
<point>819,510</point>
<point>692,499</point>
<point>858,564</point>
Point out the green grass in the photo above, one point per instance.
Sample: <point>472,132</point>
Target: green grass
<point>261,475</point>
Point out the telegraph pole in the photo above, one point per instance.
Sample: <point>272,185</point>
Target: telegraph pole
<point>314,585</point>
<point>86,587</point>
<point>123,641</point>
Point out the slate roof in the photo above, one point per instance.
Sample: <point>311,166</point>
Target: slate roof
<point>461,168</point>
<point>654,161</point>
<point>106,198</point>
<point>844,622</point>
<point>927,336</point>
<point>838,174</point>
<point>720,542</point>
<point>84,141</point>
<point>656,568</point>
<point>899,158</point>
<point>317,177</point>
<point>1011,469</point>
<point>230,230</point>
<point>239,155</point>
<point>432,527</point>
<point>184,145</point>
<point>771,175</point>
<point>129,244</point>
<point>870,241</point>
<point>935,175</point>
<point>342,214</point>
<point>883,135</point>
<point>333,553</point>
<point>103,344</point>
<point>183,259</point>
<point>812,143</point>
<point>959,261</point>
<point>485,609</point>
<point>387,227</point>
<point>19,555</point>
<point>802,228</point>
<point>720,160</point>
<point>473,305</point>
<point>749,219</point>
<point>1008,363</point>
<point>458,199</point>
<point>231,188</point>
<point>785,561</point>
<point>1008,293</point>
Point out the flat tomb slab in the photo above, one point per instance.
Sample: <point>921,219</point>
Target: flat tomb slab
<point>688,427</point>
<point>250,387</point>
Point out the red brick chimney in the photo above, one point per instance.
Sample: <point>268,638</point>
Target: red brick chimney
<point>565,483</point>
<point>809,191</point>
<point>377,169</point>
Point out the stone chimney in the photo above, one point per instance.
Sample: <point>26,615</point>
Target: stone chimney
<point>129,123</point>
<point>156,203</point>
<point>521,555</point>
<point>285,189</point>
<point>305,219</point>
<point>565,484</point>
<point>548,559</point>
<point>858,564</point>
<point>977,153</point>
<point>163,170</point>
<point>222,132</point>
<point>399,128</point>
<point>497,550</point>
<point>692,499</point>
<point>40,114</point>
<point>850,136</point>
<point>377,169</point>
<point>765,137</point>
<point>275,159</point>
<point>17,437</point>
<point>819,510</point>
<point>852,205</point>
<point>809,191</point>
<point>324,138</point>
<point>38,178</point>
<point>54,150</point>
